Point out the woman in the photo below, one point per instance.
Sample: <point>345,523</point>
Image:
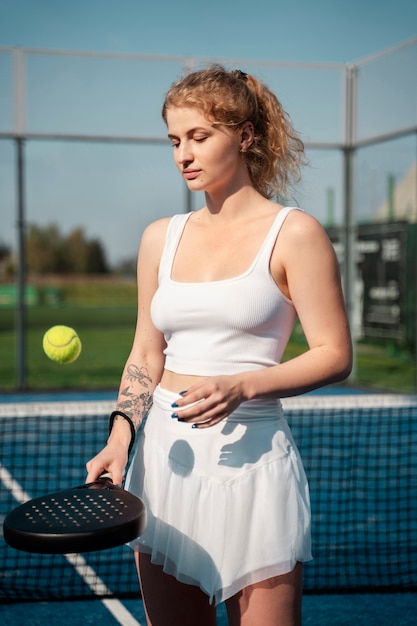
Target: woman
<point>219,291</point>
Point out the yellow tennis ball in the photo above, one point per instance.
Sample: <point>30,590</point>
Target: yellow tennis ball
<point>62,344</point>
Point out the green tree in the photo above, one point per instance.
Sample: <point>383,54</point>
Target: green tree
<point>44,247</point>
<point>97,263</point>
<point>48,251</point>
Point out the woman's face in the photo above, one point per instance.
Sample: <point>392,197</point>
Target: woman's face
<point>207,156</point>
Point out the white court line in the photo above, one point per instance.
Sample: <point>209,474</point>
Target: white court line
<point>116,608</point>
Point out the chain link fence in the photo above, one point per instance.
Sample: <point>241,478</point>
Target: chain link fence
<point>83,144</point>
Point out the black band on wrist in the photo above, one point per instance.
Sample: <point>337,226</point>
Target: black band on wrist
<point>131,424</point>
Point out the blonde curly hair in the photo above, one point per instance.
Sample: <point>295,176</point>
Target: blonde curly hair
<point>231,98</point>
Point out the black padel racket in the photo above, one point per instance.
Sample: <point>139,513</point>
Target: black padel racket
<point>94,516</point>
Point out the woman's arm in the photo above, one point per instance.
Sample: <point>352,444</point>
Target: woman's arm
<point>144,366</point>
<point>305,267</point>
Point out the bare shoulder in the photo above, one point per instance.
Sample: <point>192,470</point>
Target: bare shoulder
<point>152,243</point>
<point>303,253</point>
<point>300,223</point>
<point>153,237</point>
<point>156,231</point>
<point>302,242</point>
<point>302,229</point>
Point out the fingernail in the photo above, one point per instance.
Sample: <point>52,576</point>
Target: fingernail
<point>174,405</point>
<point>181,419</point>
<point>174,416</point>
<point>194,426</point>
<point>181,393</point>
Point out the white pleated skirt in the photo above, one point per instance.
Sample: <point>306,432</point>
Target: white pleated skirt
<point>228,506</point>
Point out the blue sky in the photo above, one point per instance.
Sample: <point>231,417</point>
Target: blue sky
<point>114,191</point>
<point>297,30</point>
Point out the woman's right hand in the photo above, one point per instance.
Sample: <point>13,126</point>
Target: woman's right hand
<point>112,459</point>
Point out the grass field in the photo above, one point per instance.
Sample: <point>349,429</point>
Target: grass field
<point>104,315</point>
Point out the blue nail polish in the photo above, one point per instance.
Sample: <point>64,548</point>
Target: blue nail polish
<point>194,426</point>
<point>174,405</point>
<point>181,393</point>
<point>181,419</point>
<point>174,416</point>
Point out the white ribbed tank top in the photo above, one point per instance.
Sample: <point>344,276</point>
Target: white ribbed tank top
<point>226,326</point>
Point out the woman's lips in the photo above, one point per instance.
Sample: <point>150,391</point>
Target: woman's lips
<point>191,174</point>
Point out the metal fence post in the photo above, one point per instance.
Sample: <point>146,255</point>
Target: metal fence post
<point>19,123</point>
<point>348,183</point>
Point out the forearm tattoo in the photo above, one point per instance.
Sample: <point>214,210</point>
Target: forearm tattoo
<point>135,403</point>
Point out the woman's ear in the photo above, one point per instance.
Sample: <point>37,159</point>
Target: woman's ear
<point>247,135</point>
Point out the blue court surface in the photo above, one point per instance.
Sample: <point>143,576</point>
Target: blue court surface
<point>319,609</point>
<point>387,609</point>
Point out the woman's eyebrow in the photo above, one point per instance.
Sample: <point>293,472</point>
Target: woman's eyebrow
<point>197,129</point>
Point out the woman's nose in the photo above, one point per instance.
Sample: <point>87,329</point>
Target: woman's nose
<point>184,153</point>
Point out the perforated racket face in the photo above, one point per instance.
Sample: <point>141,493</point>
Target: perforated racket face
<point>81,519</point>
<point>70,512</point>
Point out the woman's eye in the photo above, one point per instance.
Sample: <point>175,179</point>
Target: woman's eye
<point>200,139</point>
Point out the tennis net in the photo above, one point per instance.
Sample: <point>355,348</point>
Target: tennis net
<point>360,455</point>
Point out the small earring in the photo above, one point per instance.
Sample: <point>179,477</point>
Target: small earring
<point>242,150</point>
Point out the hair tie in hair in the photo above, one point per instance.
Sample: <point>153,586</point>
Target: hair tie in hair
<point>241,75</point>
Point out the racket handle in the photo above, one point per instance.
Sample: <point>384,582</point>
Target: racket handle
<point>106,477</point>
<point>131,424</point>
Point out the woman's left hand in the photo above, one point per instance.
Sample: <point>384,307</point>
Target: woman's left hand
<point>208,401</point>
